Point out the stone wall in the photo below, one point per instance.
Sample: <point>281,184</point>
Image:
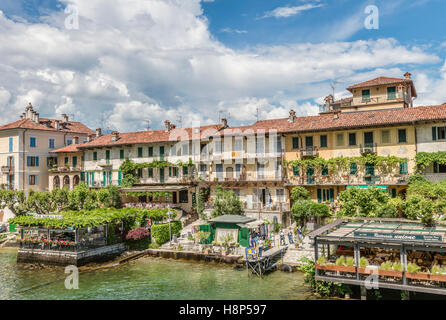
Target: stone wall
<point>69,258</point>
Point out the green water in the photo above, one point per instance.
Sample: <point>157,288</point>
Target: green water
<point>148,278</point>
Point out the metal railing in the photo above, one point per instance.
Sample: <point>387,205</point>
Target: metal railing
<point>309,152</point>
<point>368,148</point>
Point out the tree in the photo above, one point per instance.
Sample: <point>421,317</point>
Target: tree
<point>301,211</point>
<point>226,202</point>
<point>356,202</point>
<point>299,193</point>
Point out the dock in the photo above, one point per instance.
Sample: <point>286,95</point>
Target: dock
<point>266,262</point>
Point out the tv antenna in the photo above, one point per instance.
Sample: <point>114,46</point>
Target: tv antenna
<point>180,121</point>
<point>333,84</point>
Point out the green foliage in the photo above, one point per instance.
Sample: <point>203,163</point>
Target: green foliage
<point>301,211</point>
<point>349,261</point>
<point>277,227</point>
<point>160,232</point>
<point>436,269</point>
<point>413,268</point>
<point>321,260</point>
<point>202,198</point>
<point>387,265</point>
<point>203,236</point>
<point>326,289</point>
<point>92,218</point>
<point>425,159</point>
<point>363,262</point>
<point>397,266</point>
<point>340,261</point>
<point>418,207</point>
<point>370,202</point>
<point>226,202</point>
<point>299,193</point>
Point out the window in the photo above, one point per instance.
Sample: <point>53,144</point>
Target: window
<point>352,139</point>
<point>391,93</point>
<point>185,170</point>
<point>366,95</point>
<point>150,172</point>
<point>51,143</point>
<point>33,179</point>
<point>325,171</point>
<point>324,195</point>
<point>403,167</point>
<point>439,168</point>
<point>66,160</point>
<point>280,195</point>
<point>185,148</point>
<point>323,141</point>
<point>139,172</point>
<point>11,144</point>
<point>121,154</point>
<point>184,196</point>
<point>260,170</point>
<point>95,156</point>
<point>238,145</point>
<point>219,170</point>
<point>369,169</point>
<point>385,136</point>
<point>32,142</point>
<point>339,139</point>
<point>150,151</point>
<point>295,142</point>
<point>353,168</point>
<point>74,162</point>
<point>238,170</point>
<point>175,171</point>
<point>173,150</point>
<point>69,142</point>
<point>32,161</point>
<point>438,133</point>
<point>260,145</point>
<point>203,168</point>
<point>51,161</point>
<point>309,142</point>
<point>402,136</point>
<point>139,152</point>
<point>217,146</point>
<point>296,171</point>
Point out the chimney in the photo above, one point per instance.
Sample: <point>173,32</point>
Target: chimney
<point>167,126</point>
<point>64,118</point>
<point>76,140</point>
<point>114,136</point>
<point>23,115</point>
<point>407,75</point>
<point>90,137</point>
<point>336,115</point>
<point>57,124</point>
<point>224,122</point>
<point>173,126</point>
<point>328,101</point>
<point>29,111</point>
<point>98,132</point>
<point>292,116</point>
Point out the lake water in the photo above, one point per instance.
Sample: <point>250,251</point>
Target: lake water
<point>148,278</point>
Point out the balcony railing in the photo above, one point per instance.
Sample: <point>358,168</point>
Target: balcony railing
<point>309,152</point>
<point>368,148</point>
<point>275,206</point>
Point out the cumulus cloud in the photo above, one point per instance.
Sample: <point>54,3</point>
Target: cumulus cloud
<point>136,60</point>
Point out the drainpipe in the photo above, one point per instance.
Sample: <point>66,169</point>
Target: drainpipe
<point>23,160</point>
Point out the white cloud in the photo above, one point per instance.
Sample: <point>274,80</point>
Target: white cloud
<point>133,60</point>
<point>285,12</point>
<point>230,30</point>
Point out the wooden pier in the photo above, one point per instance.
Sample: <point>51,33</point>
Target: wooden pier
<point>259,265</point>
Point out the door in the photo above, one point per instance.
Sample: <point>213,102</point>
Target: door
<point>161,175</point>
<point>162,153</point>
<point>309,142</point>
<point>107,156</point>
<point>229,173</point>
<point>310,176</point>
<point>174,197</point>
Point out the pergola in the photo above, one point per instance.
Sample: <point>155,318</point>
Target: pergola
<point>394,234</point>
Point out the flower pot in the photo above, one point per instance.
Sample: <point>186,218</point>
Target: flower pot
<point>418,276</point>
<point>333,267</point>
<point>437,277</point>
<point>390,273</point>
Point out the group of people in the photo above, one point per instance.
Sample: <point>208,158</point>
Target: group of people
<point>256,239</point>
<point>290,236</point>
<point>150,205</point>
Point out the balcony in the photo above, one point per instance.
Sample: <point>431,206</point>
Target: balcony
<point>105,163</point>
<point>368,148</point>
<point>309,152</point>
<point>275,206</point>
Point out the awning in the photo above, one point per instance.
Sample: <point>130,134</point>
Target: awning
<point>155,189</point>
<point>384,188</point>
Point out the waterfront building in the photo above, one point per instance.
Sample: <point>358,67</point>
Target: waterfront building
<point>26,145</point>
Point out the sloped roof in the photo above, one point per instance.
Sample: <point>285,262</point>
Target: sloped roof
<point>48,125</point>
<point>232,218</point>
<point>327,121</point>
<point>383,81</point>
<point>70,148</point>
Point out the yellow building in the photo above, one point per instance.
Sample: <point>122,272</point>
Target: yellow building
<point>26,145</point>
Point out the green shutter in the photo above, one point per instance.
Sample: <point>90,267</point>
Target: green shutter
<point>434,133</point>
<point>435,167</point>
<point>331,195</point>
<point>170,171</point>
<point>295,142</point>
<point>119,178</point>
<point>319,195</point>
<point>353,168</point>
<point>296,171</point>
<point>325,171</point>
<point>403,167</point>
<point>83,176</point>
<point>121,154</point>
<point>104,175</point>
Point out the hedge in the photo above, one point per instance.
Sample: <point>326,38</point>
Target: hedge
<point>160,232</point>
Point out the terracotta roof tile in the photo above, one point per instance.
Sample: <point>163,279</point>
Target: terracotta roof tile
<point>383,81</point>
<point>70,148</point>
<point>71,126</point>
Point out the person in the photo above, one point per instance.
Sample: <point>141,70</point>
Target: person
<point>299,233</point>
<point>282,238</point>
<point>290,237</point>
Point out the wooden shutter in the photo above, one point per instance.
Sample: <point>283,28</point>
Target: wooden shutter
<point>331,195</point>
<point>434,133</point>
<point>319,195</point>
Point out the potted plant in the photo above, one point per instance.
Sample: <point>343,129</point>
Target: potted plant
<point>363,263</point>
<point>388,269</point>
<point>438,273</point>
<point>413,272</point>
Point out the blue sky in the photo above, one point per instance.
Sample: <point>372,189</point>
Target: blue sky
<point>191,60</point>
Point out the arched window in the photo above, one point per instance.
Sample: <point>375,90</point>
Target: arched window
<point>56,182</point>
<point>76,180</point>
<point>66,182</point>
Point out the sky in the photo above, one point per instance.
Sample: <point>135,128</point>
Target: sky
<point>121,64</point>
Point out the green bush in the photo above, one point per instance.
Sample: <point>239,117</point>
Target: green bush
<point>160,232</point>
<point>299,193</point>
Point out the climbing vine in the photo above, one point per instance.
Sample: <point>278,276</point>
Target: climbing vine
<point>149,194</point>
<point>425,159</point>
